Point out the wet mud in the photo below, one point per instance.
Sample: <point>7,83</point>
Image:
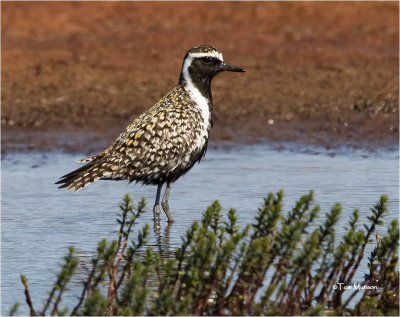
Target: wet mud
<point>74,74</point>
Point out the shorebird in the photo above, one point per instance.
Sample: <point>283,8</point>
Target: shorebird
<point>166,141</point>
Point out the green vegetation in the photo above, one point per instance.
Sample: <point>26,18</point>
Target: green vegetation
<point>283,264</point>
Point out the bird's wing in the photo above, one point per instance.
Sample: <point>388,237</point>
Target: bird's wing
<point>156,141</point>
<point>152,146</point>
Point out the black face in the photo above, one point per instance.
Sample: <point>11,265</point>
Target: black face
<point>202,70</point>
<point>207,66</point>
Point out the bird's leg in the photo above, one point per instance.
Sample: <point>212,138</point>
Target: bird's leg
<point>164,203</point>
<point>156,209</point>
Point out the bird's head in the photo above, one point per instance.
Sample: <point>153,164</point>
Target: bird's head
<point>202,63</point>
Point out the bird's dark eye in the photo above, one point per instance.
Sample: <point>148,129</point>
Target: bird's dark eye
<point>207,59</point>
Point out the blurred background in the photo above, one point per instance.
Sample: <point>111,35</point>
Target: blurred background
<point>317,73</point>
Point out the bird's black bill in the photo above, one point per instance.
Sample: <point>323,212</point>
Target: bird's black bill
<point>226,67</point>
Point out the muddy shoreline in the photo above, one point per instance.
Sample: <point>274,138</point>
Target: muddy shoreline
<point>324,74</point>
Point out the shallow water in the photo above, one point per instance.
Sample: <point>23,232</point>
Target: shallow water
<point>39,221</point>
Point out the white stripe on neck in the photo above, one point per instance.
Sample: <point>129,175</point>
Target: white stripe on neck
<point>193,91</point>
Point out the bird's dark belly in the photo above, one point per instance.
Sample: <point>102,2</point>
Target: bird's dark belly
<point>168,173</point>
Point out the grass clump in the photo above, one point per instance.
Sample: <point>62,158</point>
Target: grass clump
<point>283,264</point>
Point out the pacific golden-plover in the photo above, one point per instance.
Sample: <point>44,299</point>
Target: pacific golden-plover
<point>166,141</point>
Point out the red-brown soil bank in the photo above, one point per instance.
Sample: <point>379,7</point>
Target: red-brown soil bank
<point>317,73</point>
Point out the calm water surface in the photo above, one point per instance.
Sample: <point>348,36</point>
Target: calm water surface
<point>39,221</point>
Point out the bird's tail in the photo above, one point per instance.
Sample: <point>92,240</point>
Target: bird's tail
<point>83,176</point>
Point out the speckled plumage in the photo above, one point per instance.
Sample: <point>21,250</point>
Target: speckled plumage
<point>164,142</point>
<point>157,147</point>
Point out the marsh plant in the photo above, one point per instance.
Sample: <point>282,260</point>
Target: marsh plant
<point>283,264</point>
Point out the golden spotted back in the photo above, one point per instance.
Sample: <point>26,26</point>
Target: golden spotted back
<point>160,145</point>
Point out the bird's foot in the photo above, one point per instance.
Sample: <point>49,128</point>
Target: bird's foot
<point>156,212</point>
